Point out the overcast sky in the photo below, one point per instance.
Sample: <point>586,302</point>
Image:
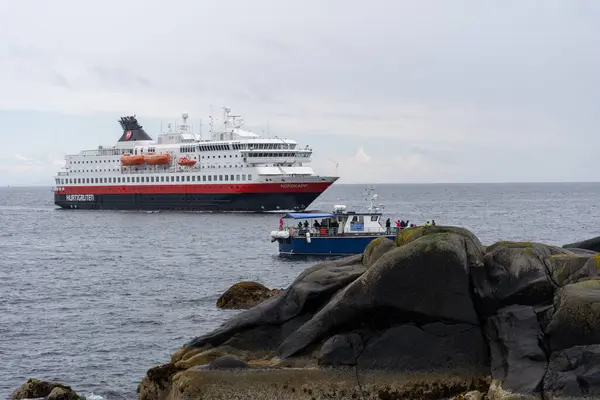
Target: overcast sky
<point>393,91</point>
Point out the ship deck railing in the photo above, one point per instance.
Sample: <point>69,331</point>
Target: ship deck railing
<point>320,232</point>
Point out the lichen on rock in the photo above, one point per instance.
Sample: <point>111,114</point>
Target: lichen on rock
<point>244,295</point>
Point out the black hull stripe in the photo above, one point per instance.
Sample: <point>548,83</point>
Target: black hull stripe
<point>191,202</point>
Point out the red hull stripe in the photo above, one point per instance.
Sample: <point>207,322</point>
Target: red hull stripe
<point>312,187</point>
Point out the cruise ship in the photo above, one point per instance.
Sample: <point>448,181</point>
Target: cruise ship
<point>234,170</point>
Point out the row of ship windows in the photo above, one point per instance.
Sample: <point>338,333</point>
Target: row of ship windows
<point>237,146</point>
<point>148,179</point>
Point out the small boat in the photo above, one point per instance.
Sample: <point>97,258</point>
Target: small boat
<point>157,159</point>
<point>128,159</point>
<point>186,162</point>
<point>331,233</point>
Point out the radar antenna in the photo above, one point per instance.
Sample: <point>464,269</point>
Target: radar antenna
<point>370,198</point>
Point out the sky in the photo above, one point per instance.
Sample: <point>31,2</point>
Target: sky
<point>384,91</point>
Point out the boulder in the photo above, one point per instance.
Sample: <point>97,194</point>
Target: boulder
<point>592,244</point>
<point>428,348</point>
<point>518,361</point>
<point>376,249</point>
<point>414,318</point>
<point>244,295</point>
<point>273,317</point>
<point>408,235</point>
<point>60,393</point>
<point>424,281</point>
<point>576,320</point>
<point>572,268</point>
<point>515,273</point>
<point>35,389</point>
<point>573,373</point>
<point>341,350</point>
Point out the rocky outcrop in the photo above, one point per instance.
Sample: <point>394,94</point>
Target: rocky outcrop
<point>244,295</point>
<point>432,315</point>
<point>36,389</point>
<point>592,244</point>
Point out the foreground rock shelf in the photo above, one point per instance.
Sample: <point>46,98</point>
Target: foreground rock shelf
<point>433,315</point>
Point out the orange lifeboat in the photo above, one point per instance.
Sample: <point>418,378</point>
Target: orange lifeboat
<point>157,159</point>
<point>128,159</point>
<point>186,162</point>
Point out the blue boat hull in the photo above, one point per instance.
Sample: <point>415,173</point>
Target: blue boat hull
<point>327,245</point>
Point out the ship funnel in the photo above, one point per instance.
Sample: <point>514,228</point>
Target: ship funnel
<point>132,130</point>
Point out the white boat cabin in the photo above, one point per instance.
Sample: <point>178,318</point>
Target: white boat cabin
<point>339,222</point>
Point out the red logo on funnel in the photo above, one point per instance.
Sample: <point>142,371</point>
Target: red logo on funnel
<point>128,135</point>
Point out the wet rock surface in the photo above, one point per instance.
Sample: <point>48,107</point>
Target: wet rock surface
<point>37,389</point>
<point>432,315</point>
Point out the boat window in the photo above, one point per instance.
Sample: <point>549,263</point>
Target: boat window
<point>210,178</point>
<point>137,179</point>
<point>177,178</point>
<point>193,178</point>
<point>187,178</point>
<point>214,178</point>
<point>152,179</point>
<point>231,177</point>
<point>220,178</point>
<point>226,177</point>
<point>237,177</point>
<point>162,178</point>
<point>249,177</point>
<point>374,217</point>
<point>244,177</point>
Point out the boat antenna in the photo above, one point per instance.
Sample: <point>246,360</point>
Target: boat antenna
<point>371,197</point>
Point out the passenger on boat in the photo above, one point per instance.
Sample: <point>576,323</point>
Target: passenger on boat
<point>433,222</point>
<point>305,224</point>
<point>427,223</point>
<point>280,224</point>
<point>398,225</point>
<point>316,224</point>
<point>388,223</point>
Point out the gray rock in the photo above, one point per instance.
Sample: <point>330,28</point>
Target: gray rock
<point>576,320</point>
<point>573,373</point>
<point>571,268</point>
<point>515,273</point>
<point>581,252</point>
<point>435,346</point>
<point>60,393</point>
<point>424,281</point>
<point>517,359</point>
<point>376,249</point>
<point>341,350</point>
<point>592,244</point>
<point>311,289</point>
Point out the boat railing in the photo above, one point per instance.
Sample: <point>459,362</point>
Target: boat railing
<point>316,232</point>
